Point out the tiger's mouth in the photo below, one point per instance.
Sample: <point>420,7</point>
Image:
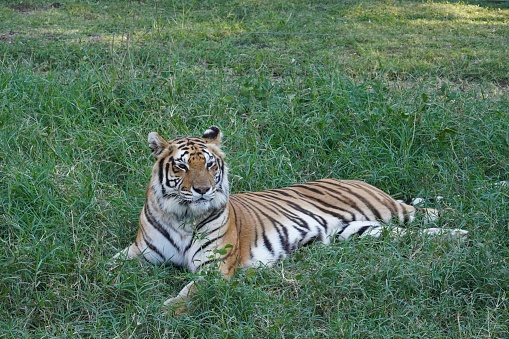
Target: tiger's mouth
<point>201,201</point>
<point>196,201</point>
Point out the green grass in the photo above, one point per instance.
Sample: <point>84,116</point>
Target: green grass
<point>411,96</point>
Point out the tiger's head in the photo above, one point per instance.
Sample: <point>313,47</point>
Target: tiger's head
<point>189,176</point>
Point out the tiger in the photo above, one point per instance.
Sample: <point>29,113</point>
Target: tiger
<point>190,219</point>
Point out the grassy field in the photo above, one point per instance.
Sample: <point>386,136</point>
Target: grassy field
<point>411,96</point>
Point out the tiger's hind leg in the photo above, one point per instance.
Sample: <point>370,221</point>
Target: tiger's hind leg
<point>430,215</point>
<point>361,228</point>
<point>175,305</point>
<point>369,229</point>
<point>396,232</point>
<point>376,229</point>
<point>179,303</point>
<point>452,232</point>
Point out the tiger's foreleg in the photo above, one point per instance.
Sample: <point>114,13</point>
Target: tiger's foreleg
<point>179,304</point>
<point>431,215</point>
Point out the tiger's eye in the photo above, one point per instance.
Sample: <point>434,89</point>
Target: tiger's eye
<point>182,166</point>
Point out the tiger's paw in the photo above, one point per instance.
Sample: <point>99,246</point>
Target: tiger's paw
<point>122,255</point>
<point>177,305</point>
<point>127,253</point>
<point>118,259</point>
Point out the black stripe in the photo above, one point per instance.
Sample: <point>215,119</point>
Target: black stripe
<point>296,207</point>
<point>254,214</point>
<point>308,187</point>
<point>161,171</point>
<point>272,200</point>
<point>139,249</point>
<point>267,244</point>
<point>350,202</point>
<point>159,227</point>
<point>366,202</point>
<point>299,224</point>
<point>213,216</point>
<point>154,249</point>
<point>167,168</point>
<point>204,263</point>
<point>284,239</point>
<point>161,177</point>
<point>205,245</point>
<point>277,225</point>
<point>326,204</point>
<point>379,195</point>
<point>363,229</point>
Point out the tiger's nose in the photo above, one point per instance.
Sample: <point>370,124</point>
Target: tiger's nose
<point>201,189</point>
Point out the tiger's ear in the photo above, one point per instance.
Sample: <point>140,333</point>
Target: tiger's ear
<point>212,135</point>
<point>156,143</point>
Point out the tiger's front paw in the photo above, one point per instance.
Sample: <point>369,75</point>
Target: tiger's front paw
<point>127,253</point>
<point>122,255</point>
